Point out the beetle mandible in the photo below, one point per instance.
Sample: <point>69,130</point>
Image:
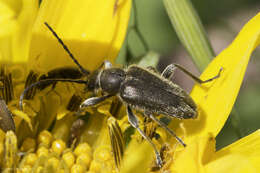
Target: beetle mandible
<point>138,88</point>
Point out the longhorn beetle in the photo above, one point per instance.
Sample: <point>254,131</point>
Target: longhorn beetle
<point>138,88</point>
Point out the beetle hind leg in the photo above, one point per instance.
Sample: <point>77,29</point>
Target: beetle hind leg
<point>134,122</point>
<point>169,71</point>
<point>165,127</point>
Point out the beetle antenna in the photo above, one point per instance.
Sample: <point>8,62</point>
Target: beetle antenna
<point>67,49</point>
<point>46,81</point>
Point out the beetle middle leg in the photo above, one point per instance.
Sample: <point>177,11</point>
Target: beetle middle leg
<point>134,122</point>
<point>169,71</point>
<point>165,127</point>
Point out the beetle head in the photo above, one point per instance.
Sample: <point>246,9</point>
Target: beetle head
<point>110,80</point>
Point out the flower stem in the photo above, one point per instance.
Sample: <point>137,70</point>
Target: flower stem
<point>190,31</point>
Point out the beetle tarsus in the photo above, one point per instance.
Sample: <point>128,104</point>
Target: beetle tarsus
<point>169,71</point>
<point>134,122</point>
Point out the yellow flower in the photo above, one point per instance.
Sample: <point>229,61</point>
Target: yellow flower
<point>17,19</point>
<point>215,101</point>
<point>93,31</point>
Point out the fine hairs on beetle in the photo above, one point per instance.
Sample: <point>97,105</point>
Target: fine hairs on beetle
<point>142,89</point>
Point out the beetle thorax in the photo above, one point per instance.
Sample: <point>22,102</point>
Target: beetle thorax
<point>110,80</point>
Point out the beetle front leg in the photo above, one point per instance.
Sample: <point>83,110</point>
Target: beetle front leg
<point>165,127</point>
<point>169,71</point>
<point>134,122</point>
<point>93,101</point>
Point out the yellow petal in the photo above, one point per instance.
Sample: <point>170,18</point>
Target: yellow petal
<point>231,163</point>
<point>216,99</point>
<point>8,25</point>
<point>193,157</point>
<point>95,132</point>
<point>6,20</point>
<point>24,116</point>
<point>22,36</point>
<point>15,5</point>
<point>138,158</point>
<point>93,31</point>
<point>62,127</point>
<point>248,147</point>
<point>17,18</point>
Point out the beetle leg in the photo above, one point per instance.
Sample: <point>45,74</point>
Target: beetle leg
<point>168,72</point>
<point>93,101</point>
<point>165,127</point>
<point>134,122</point>
<point>151,68</point>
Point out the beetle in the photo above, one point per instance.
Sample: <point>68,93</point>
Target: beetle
<point>142,89</point>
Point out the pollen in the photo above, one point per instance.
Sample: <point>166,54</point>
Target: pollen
<point>103,153</point>
<point>42,151</point>
<point>82,148</point>
<point>45,138</point>
<point>77,168</point>
<point>58,146</point>
<point>39,169</point>
<point>95,166</point>
<point>84,159</point>
<point>26,169</point>
<point>69,158</point>
<point>54,162</point>
<point>30,159</point>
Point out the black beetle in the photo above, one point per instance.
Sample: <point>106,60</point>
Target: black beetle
<point>143,89</point>
<point>138,88</point>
